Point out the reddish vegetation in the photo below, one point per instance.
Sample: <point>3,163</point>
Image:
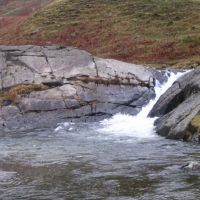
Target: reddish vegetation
<point>9,25</point>
<point>121,47</point>
<point>12,14</point>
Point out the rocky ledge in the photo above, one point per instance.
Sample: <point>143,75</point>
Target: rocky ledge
<point>179,109</point>
<point>41,86</point>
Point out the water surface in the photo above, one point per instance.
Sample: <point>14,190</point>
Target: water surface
<point>82,163</point>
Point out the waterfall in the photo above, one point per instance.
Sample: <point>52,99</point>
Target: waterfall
<point>139,126</point>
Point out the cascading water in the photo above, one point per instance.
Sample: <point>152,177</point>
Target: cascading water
<point>139,126</point>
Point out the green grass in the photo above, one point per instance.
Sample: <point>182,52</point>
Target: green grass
<point>144,31</point>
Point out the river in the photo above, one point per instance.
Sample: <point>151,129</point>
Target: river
<point>120,158</point>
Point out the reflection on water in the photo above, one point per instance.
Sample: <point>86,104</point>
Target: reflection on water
<point>83,163</point>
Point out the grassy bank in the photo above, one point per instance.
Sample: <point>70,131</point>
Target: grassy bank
<point>155,32</point>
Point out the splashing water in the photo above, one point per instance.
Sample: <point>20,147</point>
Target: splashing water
<point>139,126</point>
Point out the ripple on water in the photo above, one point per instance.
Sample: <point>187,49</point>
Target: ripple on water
<point>6,177</point>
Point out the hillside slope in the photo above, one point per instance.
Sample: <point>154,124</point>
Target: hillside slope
<point>142,31</point>
<point>13,13</point>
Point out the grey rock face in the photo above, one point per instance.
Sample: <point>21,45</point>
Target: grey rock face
<point>178,106</point>
<point>79,86</point>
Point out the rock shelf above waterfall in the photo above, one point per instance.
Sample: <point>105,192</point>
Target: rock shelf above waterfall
<point>41,86</point>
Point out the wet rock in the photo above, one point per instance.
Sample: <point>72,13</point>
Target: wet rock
<point>74,85</point>
<point>178,107</point>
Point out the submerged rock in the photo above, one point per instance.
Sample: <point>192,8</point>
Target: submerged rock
<point>41,86</point>
<point>193,165</point>
<point>179,109</point>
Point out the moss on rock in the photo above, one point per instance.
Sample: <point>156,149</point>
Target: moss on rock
<point>193,131</point>
<point>11,94</point>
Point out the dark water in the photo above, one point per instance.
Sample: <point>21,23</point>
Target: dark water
<point>82,163</point>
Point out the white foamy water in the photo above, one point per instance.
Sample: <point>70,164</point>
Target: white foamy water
<point>139,126</point>
<point>64,126</point>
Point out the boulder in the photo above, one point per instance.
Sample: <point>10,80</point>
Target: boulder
<point>179,108</point>
<point>42,86</point>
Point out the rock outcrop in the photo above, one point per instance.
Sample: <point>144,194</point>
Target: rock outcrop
<point>41,86</point>
<point>179,109</point>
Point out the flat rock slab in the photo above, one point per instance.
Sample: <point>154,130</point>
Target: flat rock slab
<point>78,86</point>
